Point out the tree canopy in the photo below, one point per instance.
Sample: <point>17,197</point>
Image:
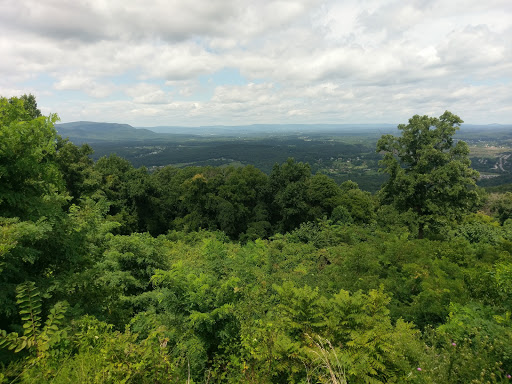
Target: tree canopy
<point>429,172</point>
<point>30,183</point>
<point>110,273</point>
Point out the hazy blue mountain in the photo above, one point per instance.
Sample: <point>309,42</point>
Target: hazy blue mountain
<point>486,132</point>
<point>88,131</point>
<point>277,129</point>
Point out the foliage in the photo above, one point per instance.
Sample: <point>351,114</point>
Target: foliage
<point>38,340</point>
<point>77,169</point>
<point>106,356</point>
<point>357,327</point>
<point>203,274</point>
<point>327,362</point>
<point>502,207</point>
<point>430,173</point>
<point>30,105</point>
<point>30,184</point>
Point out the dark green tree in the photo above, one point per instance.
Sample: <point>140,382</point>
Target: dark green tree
<point>123,186</point>
<point>30,104</point>
<point>359,204</point>
<point>502,207</point>
<point>324,195</point>
<point>243,199</point>
<point>77,169</point>
<point>429,172</point>
<point>289,183</point>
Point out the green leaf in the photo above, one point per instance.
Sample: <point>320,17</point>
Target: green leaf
<point>21,346</point>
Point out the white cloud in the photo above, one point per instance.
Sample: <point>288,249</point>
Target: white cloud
<point>474,46</point>
<point>261,93</point>
<point>298,60</point>
<point>145,93</point>
<point>181,61</point>
<point>84,84</point>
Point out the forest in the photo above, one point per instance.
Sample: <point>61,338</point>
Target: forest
<point>110,273</point>
<point>342,151</point>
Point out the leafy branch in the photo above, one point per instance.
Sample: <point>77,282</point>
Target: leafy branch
<point>35,337</point>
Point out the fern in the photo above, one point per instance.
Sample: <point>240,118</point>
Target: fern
<point>35,337</point>
<point>29,303</point>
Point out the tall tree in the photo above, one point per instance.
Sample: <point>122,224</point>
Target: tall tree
<point>429,172</point>
<point>30,182</point>
<point>40,240</point>
<point>502,207</point>
<point>77,169</point>
<point>30,104</point>
<point>289,183</point>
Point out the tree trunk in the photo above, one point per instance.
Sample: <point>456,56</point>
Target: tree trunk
<point>420,231</point>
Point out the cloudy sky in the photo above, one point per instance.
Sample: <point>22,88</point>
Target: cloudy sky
<point>206,62</point>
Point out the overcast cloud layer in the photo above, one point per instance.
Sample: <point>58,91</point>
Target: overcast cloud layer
<point>206,62</point>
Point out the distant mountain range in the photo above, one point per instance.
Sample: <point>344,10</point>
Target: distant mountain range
<point>88,131</point>
<point>80,131</point>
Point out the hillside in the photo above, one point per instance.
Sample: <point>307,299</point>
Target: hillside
<point>200,274</point>
<point>88,131</point>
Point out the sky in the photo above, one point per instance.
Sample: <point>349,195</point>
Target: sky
<point>232,62</point>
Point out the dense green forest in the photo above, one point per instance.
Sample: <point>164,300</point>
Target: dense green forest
<point>110,273</point>
<point>341,151</point>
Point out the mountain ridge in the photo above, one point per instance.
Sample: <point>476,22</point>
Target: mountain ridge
<point>90,131</point>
